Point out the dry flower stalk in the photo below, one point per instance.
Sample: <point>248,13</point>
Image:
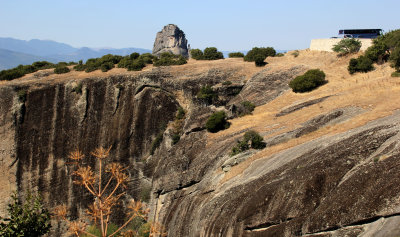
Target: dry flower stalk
<point>105,196</point>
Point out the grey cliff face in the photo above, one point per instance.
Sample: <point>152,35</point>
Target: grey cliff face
<point>171,39</point>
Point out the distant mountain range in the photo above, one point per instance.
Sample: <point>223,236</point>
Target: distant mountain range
<point>14,52</point>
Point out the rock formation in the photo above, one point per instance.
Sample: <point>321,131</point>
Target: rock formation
<point>171,39</point>
<point>344,182</point>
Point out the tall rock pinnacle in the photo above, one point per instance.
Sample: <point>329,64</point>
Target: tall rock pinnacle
<point>171,39</point>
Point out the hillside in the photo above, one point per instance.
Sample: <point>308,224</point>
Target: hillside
<point>10,59</point>
<point>329,167</point>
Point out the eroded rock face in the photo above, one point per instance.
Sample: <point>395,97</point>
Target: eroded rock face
<point>337,185</point>
<point>331,186</point>
<point>171,39</point>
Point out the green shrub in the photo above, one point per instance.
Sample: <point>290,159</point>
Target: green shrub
<point>347,46</point>
<point>236,55</point>
<point>396,74</point>
<point>227,83</point>
<point>26,219</point>
<point>391,39</point>
<point>308,81</point>
<point>94,230</point>
<point>136,65</point>
<point>180,114</point>
<point>22,95</point>
<point>147,58</point>
<point>296,53</point>
<point>395,58</point>
<point>259,61</point>
<point>240,147</point>
<point>279,55</point>
<point>377,52</point>
<point>145,193</point>
<point>216,122</point>
<point>106,66</point>
<point>211,53</point>
<point>78,88</point>
<point>157,142</point>
<point>134,56</point>
<point>247,108</point>
<point>196,54</point>
<point>207,94</point>
<point>80,66</point>
<point>167,59</point>
<point>254,53</point>
<point>175,138</point>
<point>42,65</point>
<point>360,64</point>
<point>61,69</point>
<point>22,70</point>
<point>256,142</point>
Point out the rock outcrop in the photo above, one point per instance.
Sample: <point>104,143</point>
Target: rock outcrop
<point>171,39</point>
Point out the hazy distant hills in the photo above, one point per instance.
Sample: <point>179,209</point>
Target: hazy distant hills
<point>10,59</point>
<point>14,52</point>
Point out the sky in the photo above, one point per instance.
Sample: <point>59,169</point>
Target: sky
<point>229,25</point>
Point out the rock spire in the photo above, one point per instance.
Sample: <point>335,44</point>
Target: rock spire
<point>171,39</point>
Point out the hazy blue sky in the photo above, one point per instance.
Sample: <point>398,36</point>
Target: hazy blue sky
<point>225,24</point>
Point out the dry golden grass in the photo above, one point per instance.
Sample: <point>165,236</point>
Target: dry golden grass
<point>376,92</point>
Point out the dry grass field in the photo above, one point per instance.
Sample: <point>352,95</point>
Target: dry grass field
<point>375,92</point>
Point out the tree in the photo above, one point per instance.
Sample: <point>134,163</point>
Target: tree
<point>27,218</point>
<point>106,186</point>
<point>258,53</point>
<point>196,54</point>
<point>212,53</point>
<point>347,46</point>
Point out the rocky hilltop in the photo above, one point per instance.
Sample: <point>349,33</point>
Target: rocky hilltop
<point>330,166</point>
<point>171,39</point>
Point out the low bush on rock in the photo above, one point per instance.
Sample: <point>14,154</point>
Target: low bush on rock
<point>207,94</point>
<point>309,81</point>
<point>246,108</point>
<point>251,139</point>
<point>217,122</point>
